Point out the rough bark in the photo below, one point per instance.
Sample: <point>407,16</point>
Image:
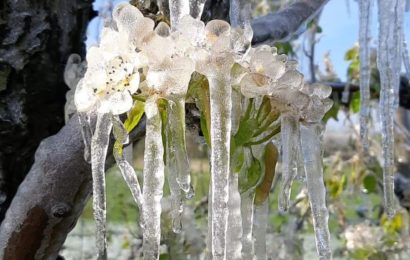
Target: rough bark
<point>50,199</point>
<point>36,38</point>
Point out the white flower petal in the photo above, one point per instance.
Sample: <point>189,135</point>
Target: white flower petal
<point>116,103</point>
<point>84,98</point>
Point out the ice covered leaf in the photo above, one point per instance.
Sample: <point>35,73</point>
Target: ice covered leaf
<point>263,189</point>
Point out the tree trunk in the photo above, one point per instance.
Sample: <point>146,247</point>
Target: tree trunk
<point>36,38</point>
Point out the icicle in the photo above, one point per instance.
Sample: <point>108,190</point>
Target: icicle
<point>221,103</point>
<point>289,139</point>
<point>312,152</point>
<point>153,180</point>
<point>364,39</point>
<point>239,13</point>
<point>178,9</point>
<point>176,125</point>
<point>172,163</point>
<point>176,199</point>
<point>196,7</point>
<point>86,133</point>
<point>259,232</point>
<point>234,233</point>
<point>127,171</point>
<point>300,165</point>
<point>406,59</point>
<point>99,146</point>
<point>247,224</point>
<point>388,63</point>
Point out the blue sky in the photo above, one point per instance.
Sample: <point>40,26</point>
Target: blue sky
<point>339,22</point>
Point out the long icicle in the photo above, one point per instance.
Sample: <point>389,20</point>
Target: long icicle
<point>365,7</point>
<point>406,59</point>
<point>153,180</point>
<point>127,171</point>
<point>390,22</point>
<point>240,13</point>
<point>177,10</point>
<point>234,233</point>
<point>259,231</point>
<point>176,124</point>
<point>99,146</point>
<point>221,104</point>
<point>247,199</point>
<point>312,152</point>
<point>172,167</point>
<point>86,133</point>
<point>290,135</point>
<point>196,8</point>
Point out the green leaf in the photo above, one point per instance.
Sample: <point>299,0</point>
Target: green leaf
<point>355,102</point>
<point>134,115</point>
<point>245,131</point>
<point>263,189</point>
<point>250,177</point>
<point>352,53</point>
<point>332,113</point>
<point>370,183</point>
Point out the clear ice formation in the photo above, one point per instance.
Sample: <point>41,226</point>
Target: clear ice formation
<point>260,226</point>
<point>153,180</point>
<point>389,53</point>
<point>134,54</point>
<point>312,151</point>
<point>290,136</point>
<point>127,171</point>
<point>365,7</point>
<point>406,59</point>
<point>99,145</point>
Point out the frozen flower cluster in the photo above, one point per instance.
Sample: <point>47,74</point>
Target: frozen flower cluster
<point>136,56</point>
<point>132,44</point>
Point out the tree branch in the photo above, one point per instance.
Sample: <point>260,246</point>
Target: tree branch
<point>280,26</point>
<point>52,196</point>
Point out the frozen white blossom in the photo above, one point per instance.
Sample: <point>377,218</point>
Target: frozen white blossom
<point>167,57</point>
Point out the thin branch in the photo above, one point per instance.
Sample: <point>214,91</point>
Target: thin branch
<point>280,26</point>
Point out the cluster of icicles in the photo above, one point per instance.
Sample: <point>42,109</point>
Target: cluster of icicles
<point>392,50</point>
<point>254,94</point>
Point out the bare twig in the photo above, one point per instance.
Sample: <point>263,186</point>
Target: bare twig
<point>280,26</point>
